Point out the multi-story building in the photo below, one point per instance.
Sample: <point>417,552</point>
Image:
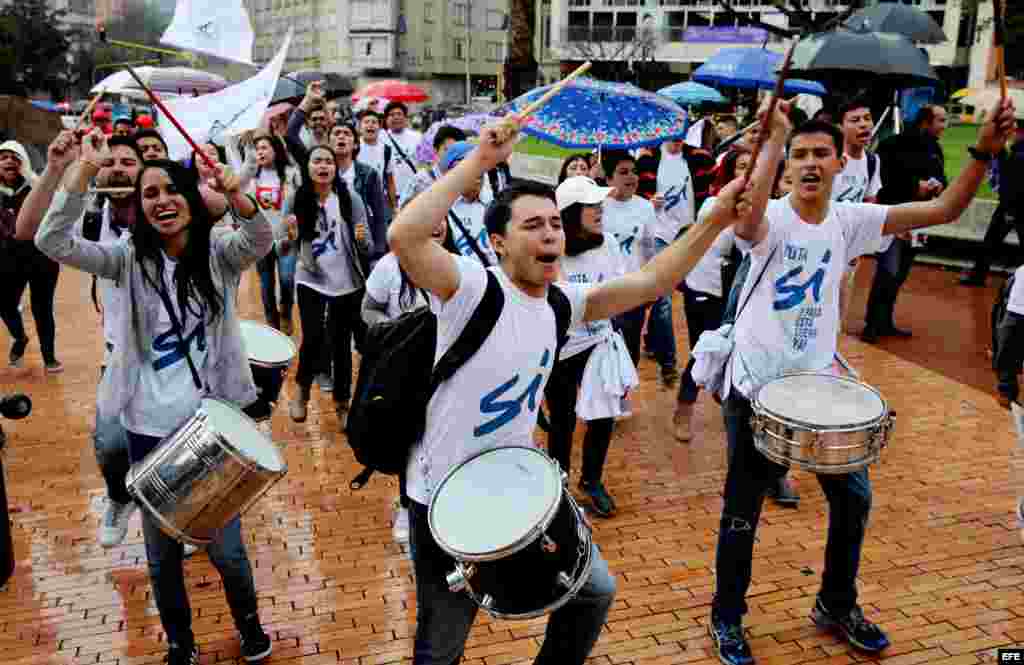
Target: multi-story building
<point>434,42</point>
<point>679,35</point>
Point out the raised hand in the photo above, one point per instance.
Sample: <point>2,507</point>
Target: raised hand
<point>497,141</point>
<point>734,202</point>
<point>314,94</point>
<point>62,151</point>
<point>224,181</point>
<point>95,150</point>
<point>997,129</point>
<point>779,123</point>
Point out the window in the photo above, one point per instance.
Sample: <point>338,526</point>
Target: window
<point>428,51</point>
<point>495,52</point>
<point>458,49</point>
<point>459,13</point>
<point>428,12</point>
<point>495,20</point>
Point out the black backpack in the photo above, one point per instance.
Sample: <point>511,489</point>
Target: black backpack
<point>397,377</point>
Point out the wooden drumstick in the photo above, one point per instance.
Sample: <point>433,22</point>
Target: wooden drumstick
<point>999,46</point>
<point>766,120</point>
<point>88,110</point>
<point>112,190</point>
<point>555,89</point>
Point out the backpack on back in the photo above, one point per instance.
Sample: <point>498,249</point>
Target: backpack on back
<point>397,377</point>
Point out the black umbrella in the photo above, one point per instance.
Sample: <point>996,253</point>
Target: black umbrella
<point>843,59</point>
<point>898,18</point>
<point>335,85</point>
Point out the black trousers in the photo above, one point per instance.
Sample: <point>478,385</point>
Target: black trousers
<point>561,393</point>
<point>893,269</point>
<point>1009,353</point>
<point>1004,220</point>
<point>40,274</point>
<point>703,312</point>
<point>342,313</point>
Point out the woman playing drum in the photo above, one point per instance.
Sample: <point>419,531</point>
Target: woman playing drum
<point>179,341</point>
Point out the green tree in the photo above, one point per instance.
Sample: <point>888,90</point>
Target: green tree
<point>34,46</point>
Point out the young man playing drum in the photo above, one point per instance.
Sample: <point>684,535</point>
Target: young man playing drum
<point>491,402</point>
<point>806,242</point>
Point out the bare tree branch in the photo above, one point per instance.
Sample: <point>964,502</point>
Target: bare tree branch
<point>744,19</point>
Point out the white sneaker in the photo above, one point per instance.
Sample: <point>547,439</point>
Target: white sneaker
<point>114,525</point>
<point>189,550</point>
<point>400,531</point>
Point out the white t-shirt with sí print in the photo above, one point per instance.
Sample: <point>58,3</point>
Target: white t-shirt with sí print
<point>676,186</point>
<point>384,285</point>
<point>586,270</point>
<point>791,321</point>
<point>167,395</point>
<point>633,224</point>
<point>492,400</point>
<point>1015,301</point>
<point>333,275</point>
<point>373,156</point>
<point>852,184</point>
<point>408,140</point>
<point>471,214</point>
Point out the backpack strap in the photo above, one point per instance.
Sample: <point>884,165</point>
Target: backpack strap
<point>387,157</point>
<point>479,327</point>
<point>563,315</point>
<point>872,166</point>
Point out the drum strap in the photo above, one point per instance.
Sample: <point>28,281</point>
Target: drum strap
<point>182,346</point>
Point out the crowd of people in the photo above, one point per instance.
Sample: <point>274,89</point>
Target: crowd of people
<point>337,218</point>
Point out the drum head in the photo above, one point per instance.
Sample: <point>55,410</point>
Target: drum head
<point>494,501</point>
<point>821,400</point>
<point>265,345</point>
<point>241,433</point>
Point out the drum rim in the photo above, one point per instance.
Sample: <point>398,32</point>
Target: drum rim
<point>529,537</point>
<point>231,447</point>
<point>760,410</point>
<point>276,333</point>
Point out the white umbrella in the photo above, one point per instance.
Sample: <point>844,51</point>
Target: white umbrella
<point>176,80</point>
<point>988,98</point>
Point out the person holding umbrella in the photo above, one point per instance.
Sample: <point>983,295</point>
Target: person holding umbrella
<point>800,245</point>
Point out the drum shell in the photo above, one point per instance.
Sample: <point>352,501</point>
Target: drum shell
<point>195,482</point>
<point>819,449</point>
<point>269,379</point>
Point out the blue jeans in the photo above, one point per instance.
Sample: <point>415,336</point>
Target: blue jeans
<point>110,443</point>
<point>749,477</point>
<point>443,618</point>
<point>661,338</point>
<point>284,266</point>
<point>166,573</point>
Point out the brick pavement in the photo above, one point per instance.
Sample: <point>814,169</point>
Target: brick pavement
<point>943,568</point>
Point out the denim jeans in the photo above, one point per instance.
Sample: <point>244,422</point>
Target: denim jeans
<point>284,265</point>
<point>749,477</point>
<point>443,618</point>
<point>167,575</point>
<point>661,338</point>
<point>110,443</point>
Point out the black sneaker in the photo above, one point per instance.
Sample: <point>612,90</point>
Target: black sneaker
<point>182,655</point>
<point>730,642</point>
<point>784,494</point>
<point>256,644</point>
<point>600,500</point>
<point>857,630</point>
<point>18,351</point>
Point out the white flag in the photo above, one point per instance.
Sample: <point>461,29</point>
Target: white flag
<point>220,29</point>
<point>226,112</point>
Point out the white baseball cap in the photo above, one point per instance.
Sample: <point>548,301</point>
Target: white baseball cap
<point>580,189</point>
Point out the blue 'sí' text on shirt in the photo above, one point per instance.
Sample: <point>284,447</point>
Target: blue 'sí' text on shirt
<point>509,409</point>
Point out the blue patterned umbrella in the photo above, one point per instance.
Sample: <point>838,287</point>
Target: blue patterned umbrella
<point>691,93</point>
<point>750,68</point>
<point>589,114</point>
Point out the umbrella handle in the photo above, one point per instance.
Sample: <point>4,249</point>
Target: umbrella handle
<point>163,109</point>
<point>557,88</point>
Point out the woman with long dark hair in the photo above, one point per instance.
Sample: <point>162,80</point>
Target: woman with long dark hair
<point>180,283</point>
<point>269,176</point>
<point>574,165</point>
<point>334,254</point>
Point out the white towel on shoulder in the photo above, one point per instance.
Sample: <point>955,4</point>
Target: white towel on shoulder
<point>607,380</point>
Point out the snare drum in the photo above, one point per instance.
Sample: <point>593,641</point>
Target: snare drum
<point>820,422</point>
<point>270,352</point>
<point>211,469</point>
<point>521,545</point>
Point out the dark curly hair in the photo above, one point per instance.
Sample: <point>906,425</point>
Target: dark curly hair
<point>192,278</point>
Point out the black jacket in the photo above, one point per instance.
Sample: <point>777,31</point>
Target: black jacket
<point>907,159</point>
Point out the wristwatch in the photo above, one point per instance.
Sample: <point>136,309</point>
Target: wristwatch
<point>979,155</point>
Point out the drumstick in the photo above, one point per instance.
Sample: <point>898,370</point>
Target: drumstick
<point>163,109</point>
<point>766,120</point>
<point>112,190</point>
<point>555,89</point>
<point>88,110</point>
<point>999,46</point>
